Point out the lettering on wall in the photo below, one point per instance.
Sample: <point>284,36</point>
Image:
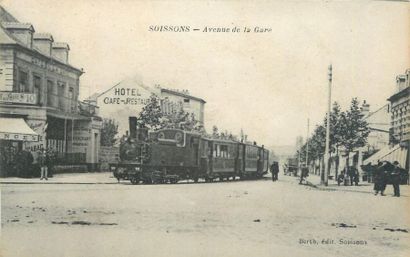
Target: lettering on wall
<point>21,98</point>
<point>126,96</point>
<point>39,127</point>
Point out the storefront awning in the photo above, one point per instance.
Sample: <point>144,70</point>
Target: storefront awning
<point>16,129</point>
<point>390,154</point>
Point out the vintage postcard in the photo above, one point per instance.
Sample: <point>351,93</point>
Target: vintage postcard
<point>204,128</point>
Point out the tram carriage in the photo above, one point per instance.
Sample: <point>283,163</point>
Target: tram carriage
<point>170,155</point>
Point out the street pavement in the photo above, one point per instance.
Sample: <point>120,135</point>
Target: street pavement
<point>90,214</point>
<point>68,178</point>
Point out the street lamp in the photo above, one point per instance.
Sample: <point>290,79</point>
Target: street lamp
<point>325,175</point>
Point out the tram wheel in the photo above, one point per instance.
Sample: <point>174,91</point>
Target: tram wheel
<point>134,181</point>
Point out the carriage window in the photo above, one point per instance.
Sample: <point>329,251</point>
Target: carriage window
<point>224,151</point>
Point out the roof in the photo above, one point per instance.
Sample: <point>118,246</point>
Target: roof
<point>372,113</point>
<point>16,129</point>
<point>61,45</point>
<point>43,36</point>
<point>7,38</point>
<point>182,94</point>
<point>403,93</point>
<point>5,16</point>
<point>17,25</point>
<point>388,153</point>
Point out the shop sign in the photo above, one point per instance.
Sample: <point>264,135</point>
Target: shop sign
<point>21,98</point>
<point>18,137</point>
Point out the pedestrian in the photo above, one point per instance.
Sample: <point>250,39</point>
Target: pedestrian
<point>395,178</point>
<point>341,177</point>
<point>276,170</point>
<point>356,177</point>
<point>303,174</point>
<point>380,179</point>
<point>43,162</point>
<point>350,173</point>
<point>272,172</point>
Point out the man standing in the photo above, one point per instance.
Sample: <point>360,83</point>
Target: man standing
<point>395,177</point>
<point>275,170</point>
<point>43,162</point>
<point>303,174</point>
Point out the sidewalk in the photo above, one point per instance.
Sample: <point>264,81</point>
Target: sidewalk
<point>70,178</point>
<point>363,187</point>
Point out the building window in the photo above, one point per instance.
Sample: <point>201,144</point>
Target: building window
<point>71,93</point>
<point>23,85</point>
<point>37,88</point>
<point>50,93</point>
<point>61,95</point>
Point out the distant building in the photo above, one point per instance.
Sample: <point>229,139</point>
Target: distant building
<point>400,117</point>
<point>128,97</point>
<point>378,138</point>
<point>399,128</point>
<point>400,109</point>
<point>39,90</point>
<point>379,124</point>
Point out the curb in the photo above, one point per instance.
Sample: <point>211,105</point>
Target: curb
<point>322,188</point>
<point>59,183</point>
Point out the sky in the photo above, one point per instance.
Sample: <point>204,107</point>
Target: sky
<point>268,84</point>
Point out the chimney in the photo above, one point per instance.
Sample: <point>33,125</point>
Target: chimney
<point>365,109</point>
<point>43,42</point>
<point>60,51</point>
<point>22,32</point>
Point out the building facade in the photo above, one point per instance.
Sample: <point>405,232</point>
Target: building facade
<point>128,97</point>
<point>40,86</point>
<point>400,116</point>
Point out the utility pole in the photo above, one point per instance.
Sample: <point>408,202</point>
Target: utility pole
<point>329,95</point>
<point>307,145</point>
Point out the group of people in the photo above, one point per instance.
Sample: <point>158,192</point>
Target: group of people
<point>23,163</point>
<point>353,175</point>
<point>386,173</point>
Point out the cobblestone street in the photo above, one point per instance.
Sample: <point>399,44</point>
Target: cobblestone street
<point>241,218</point>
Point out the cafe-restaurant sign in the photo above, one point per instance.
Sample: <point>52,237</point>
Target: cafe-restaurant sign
<point>20,98</point>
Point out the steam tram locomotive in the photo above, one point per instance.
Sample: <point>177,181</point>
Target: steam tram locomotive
<point>170,155</point>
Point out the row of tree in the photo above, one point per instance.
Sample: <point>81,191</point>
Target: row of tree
<point>348,131</point>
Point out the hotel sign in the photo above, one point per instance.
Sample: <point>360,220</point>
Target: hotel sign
<point>20,98</point>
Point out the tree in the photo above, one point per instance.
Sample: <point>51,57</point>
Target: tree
<point>354,129</point>
<point>109,131</point>
<point>151,115</point>
<point>335,137</point>
<point>215,133</point>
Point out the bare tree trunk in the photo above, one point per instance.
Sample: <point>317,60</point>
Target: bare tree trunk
<point>347,168</point>
<point>337,163</point>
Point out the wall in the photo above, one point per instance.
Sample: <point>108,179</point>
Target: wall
<point>108,155</point>
<point>194,106</point>
<point>126,99</point>
<point>7,69</point>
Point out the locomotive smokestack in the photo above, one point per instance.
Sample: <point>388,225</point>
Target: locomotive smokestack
<point>133,126</point>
